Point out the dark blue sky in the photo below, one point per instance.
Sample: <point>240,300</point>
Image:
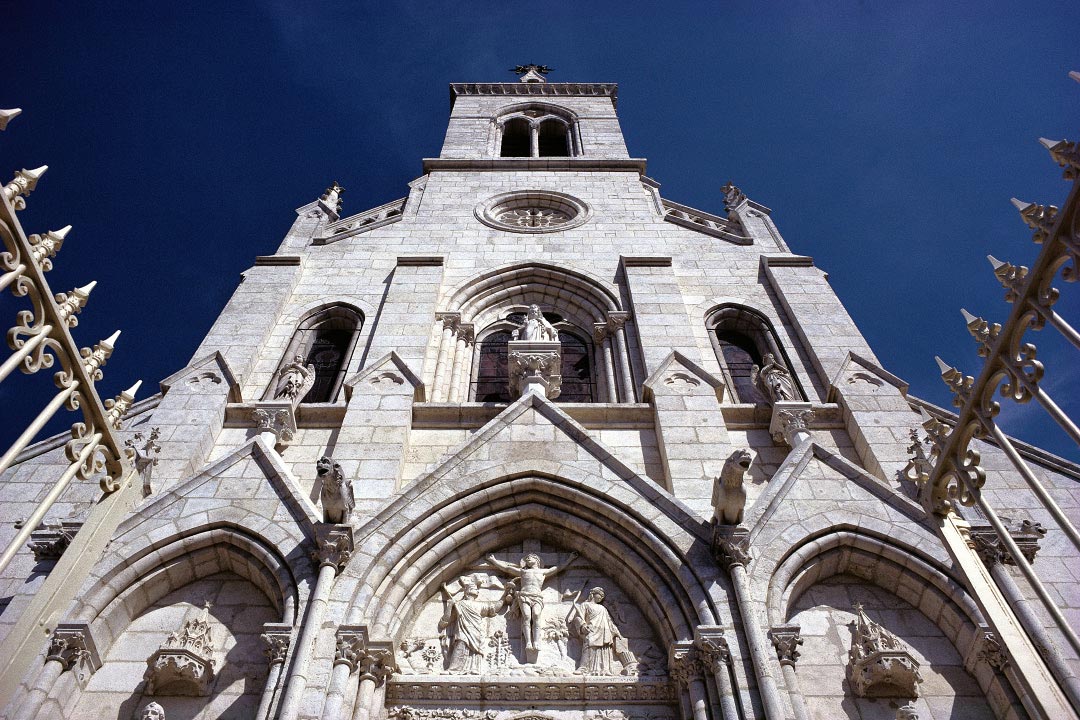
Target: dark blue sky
<point>886,137</point>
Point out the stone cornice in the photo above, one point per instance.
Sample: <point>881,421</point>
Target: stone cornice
<point>610,90</point>
<point>574,164</point>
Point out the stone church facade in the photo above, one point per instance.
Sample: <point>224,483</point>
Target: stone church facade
<point>535,442</point>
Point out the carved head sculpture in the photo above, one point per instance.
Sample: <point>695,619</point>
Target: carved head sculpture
<point>768,359</point>
<point>734,468</point>
<point>153,711</point>
<point>324,467</point>
<point>469,588</point>
<point>597,595</point>
<point>298,359</point>
<point>532,560</point>
<point>534,311</point>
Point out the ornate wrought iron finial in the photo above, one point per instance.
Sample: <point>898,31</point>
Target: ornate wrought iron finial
<point>958,382</point>
<point>1039,218</point>
<point>23,184</point>
<point>95,358</point>
<point>532,73</point>
<point>1010,276</point>
<point>118,407</point>
<point>982,331</point>
<point>71,304</point>
<point>7,116</point>
<point>43,247</point>
<point>1066,154</point>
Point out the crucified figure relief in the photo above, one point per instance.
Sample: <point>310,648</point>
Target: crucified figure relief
<point>529,597</point>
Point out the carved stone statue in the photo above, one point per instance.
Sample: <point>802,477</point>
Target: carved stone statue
<point>153,711</point>
<point>530,599</point>
<point>536,327</point>
<point>601,640</point>
<point>336,493</point>
<point>729,495</point>
<point>879,663</point>
<point>462,628</point>
<point>294,380</point>
<point>773,379</point>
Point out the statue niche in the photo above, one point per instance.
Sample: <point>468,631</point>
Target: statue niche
<point>520,613</point>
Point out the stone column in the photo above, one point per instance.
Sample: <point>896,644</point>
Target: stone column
<point>351,644</point>
<point>716,657</point>
<point>732,548</point>
<point>995,555</point>
<point>534,140</point>
<point>786,640</point>
<point>603,341</point>
<point>616,326</point>
<point>685,665</point>
<point>446,358</point>
<point>69,647</point>
<point>334,550</point>
<point>458,383</point>
<point>375,667</point>
<point>277,637</point>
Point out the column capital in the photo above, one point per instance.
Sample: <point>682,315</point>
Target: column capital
<point>334,546</point>
<point>451,320</point>
<point>713,647</point>
<point>277,637</point>
<point>992,549</point>
<point>276,418</point>
<point>685,664</point>
<point>351,645</point>
<point>786,639</point>
<point>790,422</point>
<point>72,645</point>
<point>731,545</point>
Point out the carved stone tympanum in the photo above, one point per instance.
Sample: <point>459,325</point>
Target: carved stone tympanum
<point>729,495</point>
<point>529,597</point>
<point>463,624</point>
<point>184,664</point>
<point>880,664</point>
<point>601,641</point>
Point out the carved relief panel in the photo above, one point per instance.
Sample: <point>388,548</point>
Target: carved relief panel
<point>531,627</point>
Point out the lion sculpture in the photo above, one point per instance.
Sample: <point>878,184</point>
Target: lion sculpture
<point>336,493</point>
<point>729,495</point>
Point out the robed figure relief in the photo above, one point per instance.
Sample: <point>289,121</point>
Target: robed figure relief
<point>536,327</point>
<point>463,629</point>
<point>601,641</point>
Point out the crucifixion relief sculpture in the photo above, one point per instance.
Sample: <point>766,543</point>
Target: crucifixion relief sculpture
<point>530,598</point>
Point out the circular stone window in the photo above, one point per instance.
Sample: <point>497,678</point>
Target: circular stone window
<point>532,211</point>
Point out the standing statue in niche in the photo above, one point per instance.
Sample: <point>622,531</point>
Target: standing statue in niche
<point>461,629</point>
<point>601,640</point>
<point>773,379</point>
<point>336,492</point>
<point>153,711</point>
<point>536,327</point>
<point>530,598</point>
<point>294,381</point>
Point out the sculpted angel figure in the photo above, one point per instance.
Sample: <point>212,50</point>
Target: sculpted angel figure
<point>530,599</point>
<point>462,627</point>
<point>537,327</point>
<point>294,380</point>
<point>773,379</point>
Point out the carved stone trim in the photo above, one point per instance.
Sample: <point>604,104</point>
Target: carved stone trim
<point>991,652</point>
<point>351,646</point>
<point>786,640</point>
<point>535,366</point>
<point>790,422</point>
<point>184,664</point>
<point>49,542</point>
<point>526,691</point>
<point>334,546</point>
<point>532,211</point>
<point>276,418</point>
<point>731,545</point>
<point>277,637</point>
<point>377,664</point>
<point>685,664</point>
<point>713,646</point>
<point>72,645</point>
<point>991,549</point>
<point>880,664</point>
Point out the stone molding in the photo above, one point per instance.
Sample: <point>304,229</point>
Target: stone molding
<point>49,542</point>
<point>705,223</point>
<point>362,222</point>
<point>573,690</point>
<point>786,639</point>
<point>610,90</point>
<point>990,547</point>
<point>879,663</point>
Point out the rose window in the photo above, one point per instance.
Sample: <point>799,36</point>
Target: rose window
<point>532,211</point>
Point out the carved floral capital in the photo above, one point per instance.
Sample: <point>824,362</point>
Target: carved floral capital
<point>786,640</point>
<point>334,546</point>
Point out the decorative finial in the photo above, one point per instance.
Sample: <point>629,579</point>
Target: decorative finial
<point>733,196</point>
<point>7,115</point>
<point>532,73</point>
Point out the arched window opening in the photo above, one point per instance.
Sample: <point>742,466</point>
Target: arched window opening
<point>516,138</point>
<point>326,341</point>
<point>553,139</point>
<point>492,380</point>
<point>741,338</point>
